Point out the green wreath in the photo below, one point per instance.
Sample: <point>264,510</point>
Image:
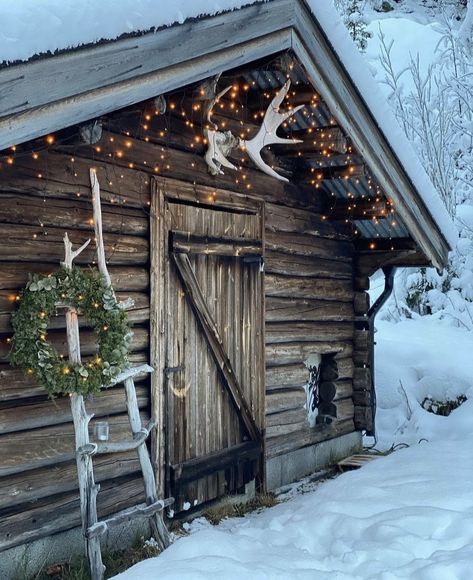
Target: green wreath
<point>89,294</point>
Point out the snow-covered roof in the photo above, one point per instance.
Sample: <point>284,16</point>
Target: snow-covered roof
<point>31,28</point>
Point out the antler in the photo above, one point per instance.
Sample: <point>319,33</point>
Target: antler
<point>267,132</point>
<point>219,144</point>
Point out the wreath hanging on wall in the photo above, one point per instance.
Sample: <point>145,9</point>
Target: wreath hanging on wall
<point>89,294</point>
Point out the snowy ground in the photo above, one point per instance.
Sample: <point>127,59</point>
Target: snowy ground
<point>408,515</point>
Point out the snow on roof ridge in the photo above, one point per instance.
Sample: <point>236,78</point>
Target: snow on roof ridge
<point>55,25</point>
<point>358,70</point>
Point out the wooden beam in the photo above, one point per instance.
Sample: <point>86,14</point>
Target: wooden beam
<point>385,245</point>
<point>199,467</point>
<point>320,140</point>
<point>358,210</point>
<point>185,243</point>
<point>316,175</point>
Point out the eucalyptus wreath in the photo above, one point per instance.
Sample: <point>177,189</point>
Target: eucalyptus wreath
<point>91,296</point>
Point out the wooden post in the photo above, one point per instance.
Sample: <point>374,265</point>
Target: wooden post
<point>160,531</point>
<point>87,487</point>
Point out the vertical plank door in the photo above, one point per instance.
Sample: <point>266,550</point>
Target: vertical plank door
<point>208,312</point>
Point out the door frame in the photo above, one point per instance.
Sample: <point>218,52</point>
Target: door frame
<point>163,189</point>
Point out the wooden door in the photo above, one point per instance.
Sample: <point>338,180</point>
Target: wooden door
<point>213,351</point>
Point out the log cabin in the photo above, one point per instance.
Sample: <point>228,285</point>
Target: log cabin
<point>249,288</point>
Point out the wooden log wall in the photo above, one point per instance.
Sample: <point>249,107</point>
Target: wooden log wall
<point>38,480</point>
<point>309,310</point>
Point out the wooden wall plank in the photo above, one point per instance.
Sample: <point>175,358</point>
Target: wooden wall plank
<point>310,288</point>
<point>298,310</point>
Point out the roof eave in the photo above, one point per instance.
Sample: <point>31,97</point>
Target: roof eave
<point>112,76</point>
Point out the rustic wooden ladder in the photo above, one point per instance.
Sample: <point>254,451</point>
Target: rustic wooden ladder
<point>92,528</point>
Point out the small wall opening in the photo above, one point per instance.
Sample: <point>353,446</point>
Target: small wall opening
<point>321,389</point>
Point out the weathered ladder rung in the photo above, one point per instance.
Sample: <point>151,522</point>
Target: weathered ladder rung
<point>141,510</point>
<point>119,446</point>
<point>131,373</point>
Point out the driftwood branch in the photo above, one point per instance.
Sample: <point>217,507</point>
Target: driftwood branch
<point>71,255</point>
<point>101,260</point>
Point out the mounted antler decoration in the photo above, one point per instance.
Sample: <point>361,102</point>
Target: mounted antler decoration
<point>220,144</point>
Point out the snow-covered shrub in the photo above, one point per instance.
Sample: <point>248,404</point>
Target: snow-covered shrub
<point>352,12</point>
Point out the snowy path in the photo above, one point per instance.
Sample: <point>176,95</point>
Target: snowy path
<point>408,515</point>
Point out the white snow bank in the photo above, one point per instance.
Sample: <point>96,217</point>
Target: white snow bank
<point>407,516</point>
<point>410,41</point>
<point>429,358</point>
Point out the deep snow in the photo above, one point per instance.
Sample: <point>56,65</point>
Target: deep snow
<point>405,516</point>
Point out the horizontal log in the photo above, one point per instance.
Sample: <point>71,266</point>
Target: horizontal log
<point>343,389</point>
<point>293,416</point>
<point>66,176</point>
<point>188,244</point>
<point>139,342</point>
<point>290,309</point>
<point>169,162</point>
<point>279,218</point>
<point>308,436</point>
<point>43,448</point>
<point>277,332</point>
<point>362,379</point>
<point>385,245</point>
<point>31,486</point>
<point>362,282</point>
<point>278,354</point>
<point>199,467</point>
<point>286,376</point>
<point>276,262</point>
<point>278,401</point>
<point>358,210</point>
<point>346,367</point>
<point>310,288</point>
<point>124,278</point>
<point>330,139</point>
<point>306,245</point>
<point>15,384</point>
<point>36,244</point>
<point>214,197</point>
<point>361,357</point>
<point>278,430</point>
<point>327,391</point>
<point>63,512</point>
<point>361,302</point>
<point>316,175</point>
<point>58,411</point>
<point>362,340</point>
<point>137,314</point>
<point>345,409</point>
<point>363,418</point>
<point>75,213</point>
<point>362,398</point>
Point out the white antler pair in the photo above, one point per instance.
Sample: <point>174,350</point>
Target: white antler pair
<point>220,144</point>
